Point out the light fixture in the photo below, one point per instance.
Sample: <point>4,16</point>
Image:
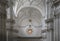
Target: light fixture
<point>30,30</point>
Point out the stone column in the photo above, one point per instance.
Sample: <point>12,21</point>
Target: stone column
<point>3,5</point>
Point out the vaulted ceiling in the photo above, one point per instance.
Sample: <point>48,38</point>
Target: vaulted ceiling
<point>19,4</point>
<point>29,12</point>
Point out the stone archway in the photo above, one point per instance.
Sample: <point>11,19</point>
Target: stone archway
<point>29,18</point>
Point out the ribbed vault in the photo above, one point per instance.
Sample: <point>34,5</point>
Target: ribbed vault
<point>29,13</point>
<point>29,17</point>
<point>19,4</point>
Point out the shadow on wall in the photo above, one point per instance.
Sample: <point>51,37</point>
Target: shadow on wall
<point>2,37</point>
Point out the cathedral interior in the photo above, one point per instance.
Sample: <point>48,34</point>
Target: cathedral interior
<point>29,20</point>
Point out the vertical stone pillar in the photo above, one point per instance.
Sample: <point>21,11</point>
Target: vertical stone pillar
<point>49,21</point>
<point>3,4</point>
